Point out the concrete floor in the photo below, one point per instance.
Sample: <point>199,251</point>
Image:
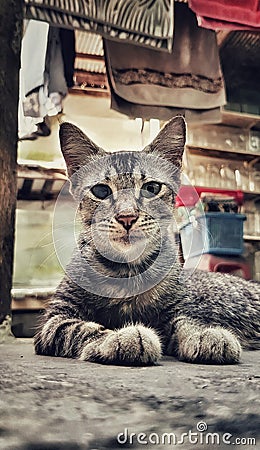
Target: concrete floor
<point>55,403</point>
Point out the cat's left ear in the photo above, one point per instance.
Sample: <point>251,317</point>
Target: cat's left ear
<point>170,141</point>
<point>76,147</point>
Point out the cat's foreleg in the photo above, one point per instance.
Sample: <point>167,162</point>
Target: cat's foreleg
<point>90,341</point>
<point>198,343</point>
<point>65,336</point>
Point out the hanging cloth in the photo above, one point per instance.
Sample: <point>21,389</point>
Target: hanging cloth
<point>33,67</point>
<point>31,76</point>
<point>43,75</point>
<point>68,48</point>
<point>147,112</point>
<point>214,24</point>
<point>54,66</point>
<point>190,77</point>
<point>243,12</point>
<point>147,22</point>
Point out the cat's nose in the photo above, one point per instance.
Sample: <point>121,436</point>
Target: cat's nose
<point>127,220</point>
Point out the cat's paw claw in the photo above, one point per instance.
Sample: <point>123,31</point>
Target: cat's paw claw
<point>211,345</point>
<point>131,345</point>
<point>139,344</point>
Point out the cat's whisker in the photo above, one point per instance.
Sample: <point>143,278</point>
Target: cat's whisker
<point>50,256</point>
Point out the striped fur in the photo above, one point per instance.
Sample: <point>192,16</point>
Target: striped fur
<point>117,304</point>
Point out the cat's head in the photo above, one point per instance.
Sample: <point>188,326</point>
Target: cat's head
<point>126,199</point>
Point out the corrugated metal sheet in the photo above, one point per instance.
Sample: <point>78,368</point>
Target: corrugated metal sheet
<point>89,43</point>
<point>247,42</point>
<point>90,66</point>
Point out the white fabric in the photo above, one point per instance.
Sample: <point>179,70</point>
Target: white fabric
<point>33,54</point>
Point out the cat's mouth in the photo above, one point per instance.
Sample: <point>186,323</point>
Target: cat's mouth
<point>130,238</point>
<point>124,245</point>
<point>130,245</point>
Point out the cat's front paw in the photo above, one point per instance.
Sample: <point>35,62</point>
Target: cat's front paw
<point>210,345</point>
<point>131,345</point>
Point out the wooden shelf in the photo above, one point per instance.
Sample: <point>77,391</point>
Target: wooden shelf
<point>231,138</point>
<point>35,182</point>
<point>251,238</point>
<point>218,153</point>
<point>249,195</point>
<point>240,120</point>
<point>29,303</point>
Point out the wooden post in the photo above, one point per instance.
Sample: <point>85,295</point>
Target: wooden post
<point>11,15</point>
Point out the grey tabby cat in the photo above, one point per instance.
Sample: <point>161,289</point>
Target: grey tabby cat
<point>125,298</point>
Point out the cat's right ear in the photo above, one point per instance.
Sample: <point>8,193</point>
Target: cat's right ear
<point>76,147</point>
<point>170,141</point>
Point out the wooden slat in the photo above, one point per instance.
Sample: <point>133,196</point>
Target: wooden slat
<point>218,153</point>
<point>90,56</point>
<point>25,191</point>
<point>47,187</point>
<point>39,172</point>
<point>37,183</point>
<point>30,303</point>
<point>90,78</point>
<point>241,120</point>
<point>95,92</point>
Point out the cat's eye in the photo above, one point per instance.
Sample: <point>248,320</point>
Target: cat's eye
<point>150,189</point>
<point>101,191</point>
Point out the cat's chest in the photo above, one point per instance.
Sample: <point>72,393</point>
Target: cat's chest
<point>115,313</point>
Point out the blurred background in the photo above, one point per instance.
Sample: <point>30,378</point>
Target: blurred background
<point>119,74</point>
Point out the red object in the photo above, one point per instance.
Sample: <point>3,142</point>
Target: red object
<point>212,263</point>
<point>239,11</point>
<point>214,24</point>
<point>189,195</point>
